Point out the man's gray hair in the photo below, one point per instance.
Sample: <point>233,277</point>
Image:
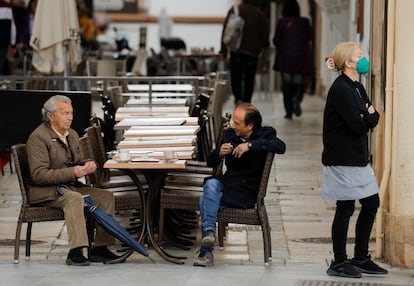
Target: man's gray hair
<point>50,105</point>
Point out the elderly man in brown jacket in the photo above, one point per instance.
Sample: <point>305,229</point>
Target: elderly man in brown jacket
<point>55,158</point>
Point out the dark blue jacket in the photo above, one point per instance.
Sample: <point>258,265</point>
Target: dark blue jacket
<point>242,177</point>
<point>345,132</point>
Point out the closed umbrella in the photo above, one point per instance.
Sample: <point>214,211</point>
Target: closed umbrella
<point>55,36</point>
<point>109,223</point>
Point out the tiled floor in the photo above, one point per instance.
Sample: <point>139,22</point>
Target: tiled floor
<point>299,218</point>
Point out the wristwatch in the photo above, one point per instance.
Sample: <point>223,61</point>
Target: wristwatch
<point>249,144</point>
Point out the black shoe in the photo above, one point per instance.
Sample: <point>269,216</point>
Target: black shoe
<point>76,258</point>
<point>343,269</point>
<point>104,255</point>
<point>368,266</point>
<point>288,116</point>
<point>297,109</point>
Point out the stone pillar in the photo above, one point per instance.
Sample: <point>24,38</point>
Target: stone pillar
<point>399,218</point>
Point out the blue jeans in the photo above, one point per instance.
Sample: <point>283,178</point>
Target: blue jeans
<point>210,203</point>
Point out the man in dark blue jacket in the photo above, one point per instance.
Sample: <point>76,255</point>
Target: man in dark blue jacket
<point>244,148</point>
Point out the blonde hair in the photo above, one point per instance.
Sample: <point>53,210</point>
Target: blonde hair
<point>342,53</point>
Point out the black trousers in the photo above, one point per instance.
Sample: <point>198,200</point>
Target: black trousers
<point>363,228</point>
<point>292,89</point>
<point>242,76</point>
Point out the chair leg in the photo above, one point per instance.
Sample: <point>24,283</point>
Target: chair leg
<point>161,227</point>
<point>28,239</point>
<point>266,242</point>
<point>270,240</point>
<point>17,241</point>
<point>221,233</point>
<point>10,164</point>
<point>90,229</point>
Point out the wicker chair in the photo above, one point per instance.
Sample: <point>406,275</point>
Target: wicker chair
<point>254,216</point>
<point>28,213</point>
<point>124,187</point>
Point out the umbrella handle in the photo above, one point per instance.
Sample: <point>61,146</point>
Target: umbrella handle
<point>59,186</point>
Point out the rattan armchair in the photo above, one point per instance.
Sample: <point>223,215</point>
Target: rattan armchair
<point>28,213</point>
<point>254,216</point>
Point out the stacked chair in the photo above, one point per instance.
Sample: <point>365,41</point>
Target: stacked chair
<point>179,198</point>
<point>128,187</point>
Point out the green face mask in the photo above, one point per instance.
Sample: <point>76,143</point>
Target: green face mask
<point>362,66</point>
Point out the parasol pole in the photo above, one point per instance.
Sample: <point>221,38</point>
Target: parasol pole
<point>66,66</point>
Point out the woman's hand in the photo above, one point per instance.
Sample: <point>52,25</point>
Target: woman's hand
<point>370,109</point>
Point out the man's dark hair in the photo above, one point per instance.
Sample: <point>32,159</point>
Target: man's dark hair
<point>290,8</point>
<point>252,115</point>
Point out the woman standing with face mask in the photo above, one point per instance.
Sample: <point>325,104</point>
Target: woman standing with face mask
<point>348,117</point>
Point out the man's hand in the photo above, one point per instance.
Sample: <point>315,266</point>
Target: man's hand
<point>88,168</point>
<point>240,150</point>
<point>225,149</point>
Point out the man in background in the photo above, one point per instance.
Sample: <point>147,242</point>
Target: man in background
<point>7,32</point>
<point>243,61</point>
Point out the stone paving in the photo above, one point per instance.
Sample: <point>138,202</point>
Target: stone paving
<point>299,218</point>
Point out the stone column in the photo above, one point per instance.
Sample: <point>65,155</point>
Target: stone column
<point>399,218</point>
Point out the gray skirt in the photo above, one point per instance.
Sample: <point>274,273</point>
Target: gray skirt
<point>341,183</point>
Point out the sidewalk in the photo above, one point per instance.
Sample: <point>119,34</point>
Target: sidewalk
<point>299,218</point>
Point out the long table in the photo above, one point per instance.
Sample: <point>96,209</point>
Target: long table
<point>158,94</point>
<point>136,102</point>
<point>137,143</point>
<point>151,121</point>
<point>160,87</point>
<point>154,132</point>
<point>153,109</point>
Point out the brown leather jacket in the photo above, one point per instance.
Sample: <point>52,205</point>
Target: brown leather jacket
<point>51,162</point>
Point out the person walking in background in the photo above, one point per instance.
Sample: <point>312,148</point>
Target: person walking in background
<point>294,58</point>
<point>243,148</point>
<point>7,32</point>
<point>22,21</point>
<point>348,176</point>
<point>243,61</point>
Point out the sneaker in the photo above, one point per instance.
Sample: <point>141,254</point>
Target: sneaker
<point>209,239</point>
<point>76,258</point>
<point>343,269</point>
<point>203,258</point>
<point>368,266</point>
<point>104,255</point>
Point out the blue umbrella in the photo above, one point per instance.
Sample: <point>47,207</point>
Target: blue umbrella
<point>109,223</point>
